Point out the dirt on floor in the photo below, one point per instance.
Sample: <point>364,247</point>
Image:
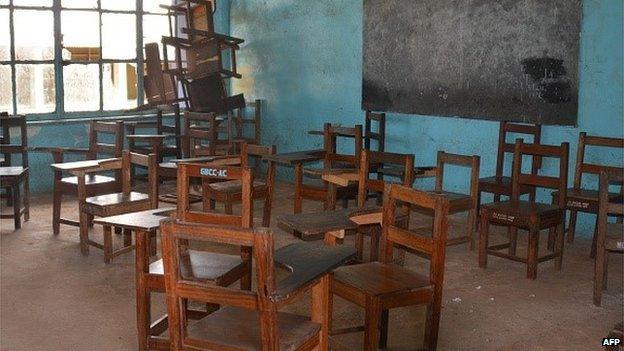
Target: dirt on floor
<point>53,298</point>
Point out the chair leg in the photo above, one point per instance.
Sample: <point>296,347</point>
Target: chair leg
<point>298,183</point>
<point>552,233</point>
<point>153,244</point>
<point>374,245</point>
<point>127,237</point>
<point>572,226</point>
<point>15,193</point>
<point>484,234</point>
<point>592,253</point>
<point>599,276</point>
<point>433,323</point>
<point>371,325</point>
<point>383,329</point>
<point>84,233</point>
<point>470,228</point>
<point>532,255</point>
<point>9,198</point>
<point>108,244</point>
<point>26,199</point>
<point>560,234</point>
<point>56,209</point>
<point>513,239</point>
<point>359,246</point>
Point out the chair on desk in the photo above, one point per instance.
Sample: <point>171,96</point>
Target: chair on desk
<point>581,199</point>
<point>230,192</point>
<point>208,268</point>
<point>332,161</point>
<point>499,184</point>
<point>249,320</point>
<point>609,236</point>
<point>12,177</point>
<point>106,205</point>
<point>381,286</point>
<point>529,215</point>
<point>94,184</point>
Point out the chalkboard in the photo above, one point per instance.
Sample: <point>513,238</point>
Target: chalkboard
<point>513,60</point>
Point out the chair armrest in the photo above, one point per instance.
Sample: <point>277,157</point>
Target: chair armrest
<point>308,262</point>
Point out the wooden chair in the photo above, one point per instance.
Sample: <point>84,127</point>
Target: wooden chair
<point>241,123</point>
<point>378,136</point>
<point>95,184</point>
<point>249,320</point>
<point>206,134</point>
<point>370,161</point>
<point>12,176</point>
<point>380,286</point>
<point>205,267</point>
<point>229,192</point>
<point>106,205</point>
<point>141,141</point>
<point>499,184</point>
<point>332,160</point>
<point>579,199</point>
<point>529,215</point>
<point>610,236</point>
<point>460,202</point>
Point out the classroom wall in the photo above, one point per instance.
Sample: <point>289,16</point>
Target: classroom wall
<point>305,59</point>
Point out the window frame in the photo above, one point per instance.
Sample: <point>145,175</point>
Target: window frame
<point>58,63</point>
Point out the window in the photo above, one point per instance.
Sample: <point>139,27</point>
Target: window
<point>94,57</point>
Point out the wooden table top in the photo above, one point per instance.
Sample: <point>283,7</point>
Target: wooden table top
<point>293,158</point>
<point>143,220</point>
<point>79,165</point>
<point>341,179</point>
<point>307,262</point>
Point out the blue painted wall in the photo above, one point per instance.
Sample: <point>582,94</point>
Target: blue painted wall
<point>305,59</point>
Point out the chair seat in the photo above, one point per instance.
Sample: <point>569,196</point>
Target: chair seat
<point>90,179</point>
<point>235,186</point>
<point>584,199</point>
<point>202,265</point>
<point>13,171</point>
<point>117,199</point>
<point>239,329</point>
<point>615,237</point>
<point>377,279</point>
<point>500,185</point>
<point>522,208</point>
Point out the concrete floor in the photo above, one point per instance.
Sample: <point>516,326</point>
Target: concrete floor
<point>53,298</point>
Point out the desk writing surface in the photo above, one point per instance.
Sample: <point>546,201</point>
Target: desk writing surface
<point>293,158</point>
<point>142,220</point>
<point>79,165</point>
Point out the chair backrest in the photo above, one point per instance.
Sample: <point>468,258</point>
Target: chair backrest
<point>331,134</point>
<point>97,147</point>
<point>380,135</point>
<point>252,154</point>
<point>394,232</point>
<point>582,167</point>
<point>219,170</point>
<point>7,147</point>
<point>240,121</point>
<point>371,160</point>
<point>259,241</point>
<point>159,86</point>
<point>609,206</point>
<point>125,164</point>
<point>204,134</point>
<point>519,178</point>
<point>472,162</point>
<point>200,17</point>
<point>504,146</point>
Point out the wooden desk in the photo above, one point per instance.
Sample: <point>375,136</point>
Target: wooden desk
<point>144,224</point>
<point>81,166</point>
<point>295,158</point>
<point>331,226</point>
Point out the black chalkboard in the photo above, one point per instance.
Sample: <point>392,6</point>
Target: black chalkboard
<point>513,60</point>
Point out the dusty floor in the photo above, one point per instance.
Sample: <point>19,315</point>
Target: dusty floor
<point>52,298</point>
